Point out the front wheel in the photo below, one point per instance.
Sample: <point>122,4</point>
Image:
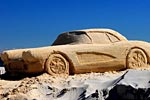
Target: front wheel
<point>136,58</point>
<point>56,64</point>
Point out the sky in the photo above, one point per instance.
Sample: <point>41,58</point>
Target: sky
<point>37,23</point>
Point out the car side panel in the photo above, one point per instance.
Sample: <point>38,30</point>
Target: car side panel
<point>89,57</point>
<point>101,58</point>
<point>114,65</point>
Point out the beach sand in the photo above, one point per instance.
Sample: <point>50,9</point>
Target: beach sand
<point>91,86</point>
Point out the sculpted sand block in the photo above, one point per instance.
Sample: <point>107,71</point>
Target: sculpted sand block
<point>80,51</point>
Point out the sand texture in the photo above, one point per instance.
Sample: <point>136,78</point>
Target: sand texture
<point>125,85</point>
<point>113,65</point>
<point>78,52</point>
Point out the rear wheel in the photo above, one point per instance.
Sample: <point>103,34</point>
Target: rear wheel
<point>56,64</point>
<point>136,59</point>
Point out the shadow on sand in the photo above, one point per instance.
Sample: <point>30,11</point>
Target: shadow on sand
<point>8,76</point>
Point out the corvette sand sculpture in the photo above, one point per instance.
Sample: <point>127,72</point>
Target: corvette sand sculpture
<point>79,51</point>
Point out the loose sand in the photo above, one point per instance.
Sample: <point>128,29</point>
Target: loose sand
<point>90,86</point>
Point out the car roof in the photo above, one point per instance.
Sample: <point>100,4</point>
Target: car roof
<point>102,30</point>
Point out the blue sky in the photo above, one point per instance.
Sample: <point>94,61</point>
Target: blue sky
<point>36,23</point>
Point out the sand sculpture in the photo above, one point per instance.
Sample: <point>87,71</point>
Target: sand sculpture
<point>80,51</point>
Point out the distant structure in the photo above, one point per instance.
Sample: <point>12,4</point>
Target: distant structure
<point>2,70</point>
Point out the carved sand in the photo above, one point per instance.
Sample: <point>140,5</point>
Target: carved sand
<point>80,51</point>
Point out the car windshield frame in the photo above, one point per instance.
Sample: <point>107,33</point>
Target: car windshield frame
<point>72,38</point>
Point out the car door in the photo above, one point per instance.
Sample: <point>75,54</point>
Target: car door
<point>96,57</point>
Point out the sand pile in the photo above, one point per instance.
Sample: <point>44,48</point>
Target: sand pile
<point>125,85</point>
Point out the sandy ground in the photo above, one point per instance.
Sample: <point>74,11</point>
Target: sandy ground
<point>90,86</point>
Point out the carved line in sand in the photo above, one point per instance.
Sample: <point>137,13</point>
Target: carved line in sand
<point>107,33</point>
<point>136,58</point>
<point>57,64</point>
<point>93,57</point>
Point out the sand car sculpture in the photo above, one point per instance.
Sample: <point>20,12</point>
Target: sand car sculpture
<point>80,51</point>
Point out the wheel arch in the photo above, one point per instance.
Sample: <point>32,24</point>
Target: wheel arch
<point>71,66</point>
<point>145,52</point>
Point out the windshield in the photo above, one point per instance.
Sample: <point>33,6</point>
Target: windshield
<point>72,38</point>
